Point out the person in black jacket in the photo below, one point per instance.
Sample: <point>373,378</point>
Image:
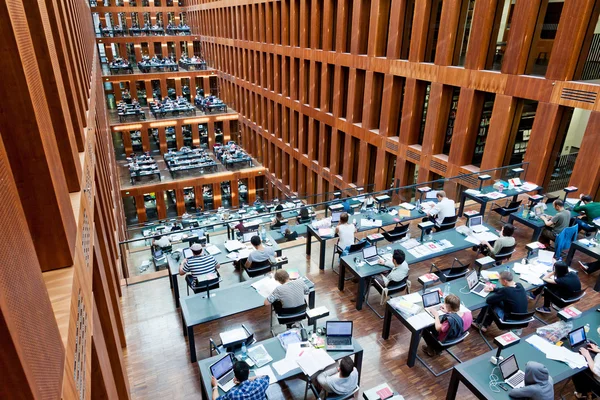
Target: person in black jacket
<point>562,283</point>
<point>511,297</point>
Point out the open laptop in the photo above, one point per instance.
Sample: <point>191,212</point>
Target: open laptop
<point>432,301</point>
<point>248,235</point>
<point>222,370</point>
<point>511,373</point>
<point>335,216</point>
<point>475,286</point>
<point>577,339</point>
<point>339,336</point>
<point>476,224</point>
<point>370,255</point>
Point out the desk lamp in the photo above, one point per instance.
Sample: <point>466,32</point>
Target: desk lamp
<point>422,191</point>
<point>424,226</point>
<point>483,178</point>
<point>359,190</point>
<point>517,172</point>
<point>567,190</point>
<point>337,195</point>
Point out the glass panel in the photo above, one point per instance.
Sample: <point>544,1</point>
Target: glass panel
<point>226,194</point>
<point>171,138</point>
<point>243,190</point>
<point>208,197</point>
<point>425,106</point>
<point>150,206</point>
<point>451,120</point>
<point>502,24</point>
<point>434,30</point>
<point>465,33</point>
<point>542,44</point>
<point>190,200</point>
<point>484,124</point>
<point>521,139</point>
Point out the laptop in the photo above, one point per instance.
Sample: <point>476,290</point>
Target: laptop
<point>248,235</point>
<point>577,339</point>
<point>476,224</point>
<point>475,286</point>
<point>432,301</point>
<point>339,336</point>
<point>511,373</point>
<point>335,216</point>
<point>222,370</point>
<point>370,255</point>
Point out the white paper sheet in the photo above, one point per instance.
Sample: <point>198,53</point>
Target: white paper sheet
<point>545,256</point>
<point>266,370</point>
<point>212,249</point>
<point>265,286</point>
<point>233,335</point>
<point>487,236</point>
<point>413,297</point>
<point>408,206</point>
<point>420,320</point>
<point>233,245</point>
<point>284,366</point>
<point>314,360</point>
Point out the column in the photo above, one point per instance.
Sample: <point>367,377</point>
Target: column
<point>140,208</point>
<point>179,136</point>
<point>199,197</point>
<point>161,205</point>
<point>586,174</point>
<point>162,138</point>
<point>145,139</point>
<point>235,192</point>
<point>216,195</point>
<point>180,201</point>
<point>126,135</point>
<point>195,134</point>
<point>251,189</point>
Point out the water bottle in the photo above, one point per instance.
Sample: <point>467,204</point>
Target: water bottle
<point>447,289</point>
<point>263,233</point>
<point>508,267</point>
<point>418,205</point>
<point>523,211</point>
<point>244,351</point>
<point>586,328</point>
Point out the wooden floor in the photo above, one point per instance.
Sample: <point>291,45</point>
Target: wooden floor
<point>157,356</point>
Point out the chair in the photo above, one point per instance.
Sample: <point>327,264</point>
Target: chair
<point>452,273</point>
<point>511,321</point>
<point>507,210</point>
<point>392,288</point>
<point>504,254</point>
<point>204,286</point>
<point>353,249</point>
<point>395,234</point>
<point>288,316</point>
<point>561,303</point>
<point>445,347</point>
<point>564,239</point>
<point>327,395</point>
<point>447,223</point>
<point>259,268</point>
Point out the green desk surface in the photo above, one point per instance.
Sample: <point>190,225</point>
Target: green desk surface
<point>451,235</point>
<point>277,352</point>
<point>478,370</point>
<point>508,192</point>
<point>551,211</point>
<point>593,251</point>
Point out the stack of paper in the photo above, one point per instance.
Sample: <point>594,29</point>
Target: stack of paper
<point>528,186</point>
<point>473,192</point>
<point>312,361</point>
<point>414,298</point>
<point>393,212</point>
<point>233,245</point>
<point>259,355</point>
<point>265,286</point>
<point>212,249</point>
<point>410,243</point>
<point>421,320</point>
<point>495,195</point>
<point>408,206</point>
<point>234,335</point>
<point>572,359</point>
<point>266,370</point>
<point>370,223</point>
<point>546,257</point>
<point>326,232</point>
<point>404,306</point>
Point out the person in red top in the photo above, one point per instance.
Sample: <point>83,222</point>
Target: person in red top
<point>450,326</point>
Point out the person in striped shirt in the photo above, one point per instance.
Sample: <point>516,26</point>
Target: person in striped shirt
<point>289,294</point>
<point>201,263</point>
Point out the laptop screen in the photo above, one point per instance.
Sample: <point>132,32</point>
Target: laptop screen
<point>248,236</point>
<point>187,252</point>
<point>474,221</point>
<point>369,252</point>
<point>509,366</point>
<point>339,328</point>
<point>222,367</point>
<point>577,336</point>
<point>335,216</point>
<point>431,299</point>
<point>472,279</point>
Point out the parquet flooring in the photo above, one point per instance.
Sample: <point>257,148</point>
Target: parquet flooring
<point>157,357</point>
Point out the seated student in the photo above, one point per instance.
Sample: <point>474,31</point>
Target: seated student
<point>505,239</point>
<point>260,252</point>
<point>290,294</point>
<point>369,202</point>
<point>304,214</point>
<point>162,242</point>
<point>245,388</point>
<point>338,380</point>
<point>346,205</point>
<point>561,282</point>
<point>510,297</point>
<point>591,210</point>
<point>556,224</point>
<point>449,326</point>
<point>345,231</point>
<point>399,269</point>
<point>278,221</point>
<point>588,380</point>
<point>538,384</point>
<point>278,207</point>
<point>436,213</point>
<point>289,235</point>
<point>200,263</point>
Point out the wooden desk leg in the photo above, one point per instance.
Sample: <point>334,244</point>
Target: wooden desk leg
<point>360,294</point>
<point>453,387</point>
<point>387,322</point>
<point>358,358</point>
<point>192,344</point>
<point>415,338</point>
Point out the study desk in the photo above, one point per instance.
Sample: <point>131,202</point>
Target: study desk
<point>475,373</point>
<point>365,272</point>
<point>191,66</point>
<point>116,69</point>
<point>535,223</point>
<point>129,112</point>
<point>185,108</point>
<point>470,300</point>
<point>277,352</point>
<point>300,229</point>
<point>385,218</point>
<point>231,162</point>
<point>223,303</point>
<point>147,66</point>
<point>144,172</point>
<point>592,251</point>
<point>221,258</point>
<point>484,200</point>
<point>260,219</point>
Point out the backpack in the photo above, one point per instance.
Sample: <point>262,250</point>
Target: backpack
<point>456,326</point>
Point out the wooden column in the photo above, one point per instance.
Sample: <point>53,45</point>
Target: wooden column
<point>420,27</point>
<point>162,139</point>
<point>127,142</point>
<point>140,208</point>
<point>195,135</point>
<point>145,139</point>
<point>161,205</point>
<point>251,189</point>
<point>466,128</point>
<point>217,195</point>
<point>486,22</point>
<point>412,111</point>
<point>180,201</point>
<point>211,134</point>
<point>502,124</point>
<point>450,31</point>
<point>199,197</point>
<point>235,192</point>
<point>179,136</point>
<point>226,131</point>
<point>586,174</point>
<point>522,28</point>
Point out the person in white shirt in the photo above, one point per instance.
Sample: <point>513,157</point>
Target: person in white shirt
<point>445,207</point>
<point>346,232</point>
<point>399,269</point>
<point>162,242</point>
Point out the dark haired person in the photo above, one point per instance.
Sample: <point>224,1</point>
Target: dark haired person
<point>449,326</point>
<point>510,297</point>
<point>340,380</point>
<point>505,239</point>
<point>260,252</point>
<point>591,210</point>
<point>561,282</point>
<point>399,269</point>
<point>556,224</point>
<point>245,388</point>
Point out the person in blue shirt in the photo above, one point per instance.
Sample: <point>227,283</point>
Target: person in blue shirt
<point>245,388</point>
